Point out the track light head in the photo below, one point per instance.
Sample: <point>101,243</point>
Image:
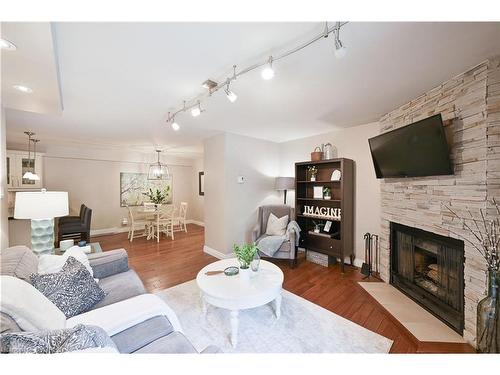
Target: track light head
<point>196,111</point>
<point>231,96</point>
<point>340,50</point>
<point>175,126</point>
<point>268,72</point>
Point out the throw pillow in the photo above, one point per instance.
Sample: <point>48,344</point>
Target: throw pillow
<point>80,337</point>
<point>72,290</point>
<point>29,308</point>
<point>275,226</point>
<point>54,263</point>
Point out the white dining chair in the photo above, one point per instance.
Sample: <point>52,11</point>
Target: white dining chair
<point>181,219</point>
<point>137,221</point>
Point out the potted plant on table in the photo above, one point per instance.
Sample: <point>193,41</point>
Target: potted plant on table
<point>156,196</point>
<point>245,254</point>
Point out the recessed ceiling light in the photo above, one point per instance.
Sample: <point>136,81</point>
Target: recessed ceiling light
<point>22,88</point>
<point>7,45</point>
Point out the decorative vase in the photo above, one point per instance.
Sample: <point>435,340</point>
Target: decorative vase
<point>327,197</point>
<point>488,319</point>
<point>245,274</point>
<point>254,265</point>
<point>313,178</point>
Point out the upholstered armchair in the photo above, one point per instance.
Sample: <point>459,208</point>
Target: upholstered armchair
<point>288,250</point>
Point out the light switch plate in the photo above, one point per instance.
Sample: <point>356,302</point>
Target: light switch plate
<point>241,179</point>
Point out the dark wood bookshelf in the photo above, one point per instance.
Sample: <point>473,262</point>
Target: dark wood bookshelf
<point>339,241</point>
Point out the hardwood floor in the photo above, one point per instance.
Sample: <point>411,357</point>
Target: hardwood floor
<point>168,263</point>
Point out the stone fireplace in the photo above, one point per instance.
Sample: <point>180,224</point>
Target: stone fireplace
<point>429,268</point>
<point>471,103</point>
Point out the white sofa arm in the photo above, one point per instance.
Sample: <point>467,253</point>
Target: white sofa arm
<point>119,316</point>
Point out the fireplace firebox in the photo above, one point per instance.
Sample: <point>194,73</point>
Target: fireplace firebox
<point>429,268</point>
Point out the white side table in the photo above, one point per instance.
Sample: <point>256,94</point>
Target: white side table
<point>234,293</point>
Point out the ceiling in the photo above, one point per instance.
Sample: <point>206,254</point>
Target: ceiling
<point>119,80</point>
<point>33,64</point>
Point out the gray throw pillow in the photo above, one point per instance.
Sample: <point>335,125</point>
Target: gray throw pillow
<point>73,290</point>
<point>78,337</point>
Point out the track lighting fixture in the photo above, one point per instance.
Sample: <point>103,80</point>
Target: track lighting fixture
<point>268,72</point>
<point>196,111</point>
<point>231,96</point>
<point>340,50</point>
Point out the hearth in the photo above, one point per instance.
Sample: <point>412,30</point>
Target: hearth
<point>429,268</point>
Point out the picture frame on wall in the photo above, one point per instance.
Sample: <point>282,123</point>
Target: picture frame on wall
<point>318,192</point>
<point>201,183</point>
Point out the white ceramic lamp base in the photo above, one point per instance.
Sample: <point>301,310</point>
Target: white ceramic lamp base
<point>42,235</point>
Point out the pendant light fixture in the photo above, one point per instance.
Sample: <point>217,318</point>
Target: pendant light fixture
<point>158,171</point>
<point>268,72</point>
<point>231,96</point>
<point>340,50</point>
<point>29,175</point>
<point>34,176</point>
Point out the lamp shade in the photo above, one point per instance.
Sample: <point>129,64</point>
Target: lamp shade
<point>43,204</point>
<point>285,183</point>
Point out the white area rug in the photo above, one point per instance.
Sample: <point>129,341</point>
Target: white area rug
<point>304,327</point>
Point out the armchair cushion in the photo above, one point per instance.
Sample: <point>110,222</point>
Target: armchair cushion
<point>119,287</point>
<point>276,226</point>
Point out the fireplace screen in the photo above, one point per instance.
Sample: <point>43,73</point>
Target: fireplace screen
<point>429,268</point>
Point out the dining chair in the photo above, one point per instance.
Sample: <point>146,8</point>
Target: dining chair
<point>167,221</point>
<point>181,219</point>
<point>136,220</point>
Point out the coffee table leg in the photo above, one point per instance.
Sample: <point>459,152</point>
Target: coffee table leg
<point>234,327</point>
<point>277,306</point>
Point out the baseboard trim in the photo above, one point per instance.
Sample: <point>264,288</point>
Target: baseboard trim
<point>216,253</point>
<point>196,222</point>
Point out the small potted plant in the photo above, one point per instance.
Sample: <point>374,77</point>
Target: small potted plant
<point>327,193</point>
<point>245,254</point>
<point>313,171</point>
<point>156,196</point>
<point>317,227</point>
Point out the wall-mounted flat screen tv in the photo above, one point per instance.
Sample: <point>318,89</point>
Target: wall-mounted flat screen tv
<point>416,150</point>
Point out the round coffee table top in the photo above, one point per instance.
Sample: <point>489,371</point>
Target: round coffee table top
<point>234,292</point>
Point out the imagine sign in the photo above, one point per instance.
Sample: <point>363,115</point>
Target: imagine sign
<point>325,212</point>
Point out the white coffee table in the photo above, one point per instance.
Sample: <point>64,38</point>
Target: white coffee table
<point>235,294</point>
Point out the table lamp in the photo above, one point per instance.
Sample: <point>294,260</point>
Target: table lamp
<point>285,183</point>
<point>41,207</point>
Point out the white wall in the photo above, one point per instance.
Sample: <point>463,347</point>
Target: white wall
<point>4,221</point>
<point>350,143</point>
<point>258,162</point>
<point>198,200</point>
<point>215,193</point>
<point>231,207</point>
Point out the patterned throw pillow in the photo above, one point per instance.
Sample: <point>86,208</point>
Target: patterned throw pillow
<point>72,290</point>
<point>78,337</point>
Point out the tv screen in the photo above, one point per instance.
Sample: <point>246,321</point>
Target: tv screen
<point>415,150</point>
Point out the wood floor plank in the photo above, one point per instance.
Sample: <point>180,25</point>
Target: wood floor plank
<point>168,263</point>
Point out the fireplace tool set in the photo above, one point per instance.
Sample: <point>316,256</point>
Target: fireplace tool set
<point>370,266</point>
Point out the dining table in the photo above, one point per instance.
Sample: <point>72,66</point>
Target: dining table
<point>153,214</point>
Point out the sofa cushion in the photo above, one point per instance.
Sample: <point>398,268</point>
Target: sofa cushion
<point>56,341</point>
<point>120,287</point>
<point>49,263</point>
<point>30,309</point>
<point>109,263</point>
<point>142,334</point>
<point>176,342</point>
<point>18,261</point>
<point>72,290</point>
